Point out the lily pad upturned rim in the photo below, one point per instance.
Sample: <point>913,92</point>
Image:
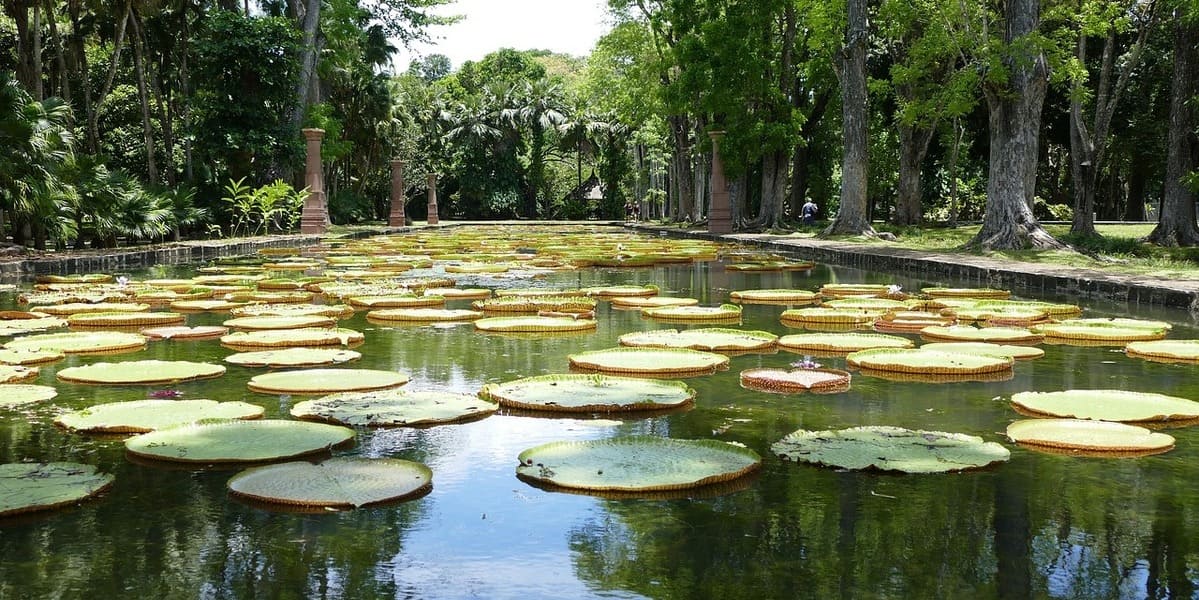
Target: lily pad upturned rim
<point>115,417</point>
<point>533,324</point>
<point>1016,351</point>
<point>17,394</point>
<point>673,394</point>
<point>969,333</point>
<point>714,339</point>
<point>860,449</point>
<point>842,342</point>
<point>915,360</point>
<point>739,462</point>
<point>140,372</point>
<point>326,381</point>
<point>724,312</point>
<point>234,441</point>
<point>1087,436</point>
<point>1107,405</point>
<point>1178,350</point>
<point>394,408</point>
<point>183,332</point>
<point>791,381</point>
<point>74,342</point>
<point>22,480</point>
<point>328,484</point>
<point>689,361</point>
<point>423,315</point>
<point>295,356</point>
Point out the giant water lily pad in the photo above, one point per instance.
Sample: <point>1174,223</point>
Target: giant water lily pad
<point>949,292</point>
<point>238,441</point>
<point>393,408</point>
<point>80,342</point>
<point>994,335</point>
<point>1107,405</point>
<point>16,394</point>
<point>886,448</point>
<point>396,301</point>
<point>1089,436</point>
<point>141,372</point>
<point>711,338</point>
<point>84,307</point>
<point>279,322</point>
<point>293,357</point>
<point>1175,350</point>
<point>19,326</point>
<point>182,332</point>
<point>1100,333</point>
<point>17,373</point>
<point>841,342</point>
<point>796,380</point>
<point>916,360</point>
<point>838,316</point>
<point>122,319</point>
<point>293,310</point>
<point>30,357</point>
<point>326,381</point>
<point>724,312</point>
<point>139,416</point>
<point>1121,322</point>
<point>636,464</point>
<point>423,315</point>
<point>658,361</point>
<point>534,324</point>
<point>27,487</point>
<point>773,296</point>
<point>651,301</point>
<point>284,338</point>
<point>340,482</point>
<point>589,393</point>
<point>987,349</point>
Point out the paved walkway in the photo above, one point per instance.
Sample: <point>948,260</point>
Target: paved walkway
<point>1024,278</point>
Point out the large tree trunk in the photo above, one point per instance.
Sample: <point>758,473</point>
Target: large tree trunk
<point>1134,207</point>
<point>60,59</point>
<point>774,188</point>
<point>959,133</point>
<point>852,217</point>
<point>913,146</point>
<point>308,57</point>
<point>143,97</point>
<point>1176,219</point>
<point>684,176</point>
<point>1015,124</point>
<point>122,21</point>
<point>800,181</point>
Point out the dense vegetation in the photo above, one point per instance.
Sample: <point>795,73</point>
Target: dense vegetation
<point>140,120</point>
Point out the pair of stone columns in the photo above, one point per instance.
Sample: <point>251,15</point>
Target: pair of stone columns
<point>396,217</point>
<point>314,218</point>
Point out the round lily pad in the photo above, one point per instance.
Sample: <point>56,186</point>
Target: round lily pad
<point>818,314</point>
<point>30,357</point>
<point>1100,333</point>
<point>293,310</point>
<point>141,372</point>
<point>589,393</point>
<point>139,416</point>
<point>841,342</point>
<point>658,361</point>
<point>651,301</point>
<point>837,290</point>
<point>969,333</point>
<point>987,349</point>
<point>199,332</point>
<point>396,301</point>
<point>1118,322</point>
<point>796,380</point>
<point>910,321</point>
<point>21,326</point>
<point>338,482</point>
<point>85,307</point>
<point>533,304</point>
<point>773,296</point>
<point>1089,436</point>
<point>916,360</point>
<point>886,448</point>
<point>284,338</point>
<point>451,293</point>
<point>724,312</point>
<point>16,394</point>
<point>238,441</point>
<point>293,357</point>
<point>326,381</point>
<point>393,408</point>
<point>948,292</point>
<point>123,319</point>
<point>1107,405</point>
<point>712,338</point>
<point>79,342</point>
<point>423,314</point>
<point>27,487</point>
<point>868,303</point>
<point>636,464</point>
<point>534,324</point>
<point>188,306</point>
<point>613,291</point>
<point>279,322</point>
<point>17,373</point>
<point>1180,350</point>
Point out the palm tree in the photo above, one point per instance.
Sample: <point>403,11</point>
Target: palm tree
<point>35,140</point>
<point>540,107</point>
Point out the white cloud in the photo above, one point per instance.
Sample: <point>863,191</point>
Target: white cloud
<point>566,26</point>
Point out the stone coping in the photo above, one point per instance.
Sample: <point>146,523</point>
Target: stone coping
<point>1027,279</point>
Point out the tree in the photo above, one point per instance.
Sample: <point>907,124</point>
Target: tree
<point>1015,92</point>
<point>1176,220</point>
<point>853,217</point>
<point>431,68</point>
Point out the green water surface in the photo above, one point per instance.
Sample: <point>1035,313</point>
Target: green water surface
<point>1040,526</point>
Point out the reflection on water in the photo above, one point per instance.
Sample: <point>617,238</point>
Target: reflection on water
<point>1040,526</point>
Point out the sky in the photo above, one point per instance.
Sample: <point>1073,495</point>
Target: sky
<point>566,26</point>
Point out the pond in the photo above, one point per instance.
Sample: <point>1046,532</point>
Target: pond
<point>1041,525</point>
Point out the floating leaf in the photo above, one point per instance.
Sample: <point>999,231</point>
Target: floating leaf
<point>27,487</point>
<point>16,394</point>
<point>264,323</point>
<point>842,342</point>
<point>326,381</point>
<point>336,483</point>
<point>534,324</point>
<point>390,408</point>
<point>970,333</point>
<point>987,349</point>
<point>1089,436</point>
<point>1181,350</point>
<point>636,464</point>
<point>890,449</point>
<point>79,342</point>
<point>284,338</point>
<point>916,360</point>
<point>794,381</point>
<point>589,393</point>
<point>649,361</point>
<point>141,372</point>
<point>238,441</point>
<point>1107,405</point>
<point>711,338</point>
<point>293,357</point>
<point>139,416</point>
<point>724,312</point>
<point>199,332</point>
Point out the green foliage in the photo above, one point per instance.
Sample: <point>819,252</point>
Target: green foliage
<point>274,207</point>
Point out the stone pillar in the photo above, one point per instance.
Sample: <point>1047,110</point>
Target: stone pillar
<point>432,181</point>
<point>720,214</point>
<point>315,217</point>
<point>396,217</point>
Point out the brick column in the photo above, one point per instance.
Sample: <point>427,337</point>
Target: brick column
<point>396,217</point>
<point>720,214</point>
<point>432,181</point>
<point>314,218</point>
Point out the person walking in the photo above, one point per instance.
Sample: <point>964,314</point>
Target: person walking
<point>808,212</point>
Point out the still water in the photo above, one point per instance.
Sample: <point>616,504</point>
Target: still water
<point>1040,526</point>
